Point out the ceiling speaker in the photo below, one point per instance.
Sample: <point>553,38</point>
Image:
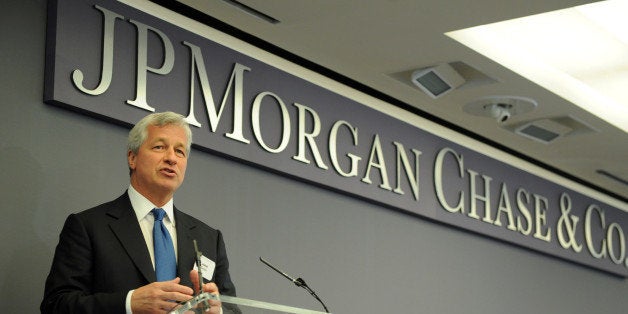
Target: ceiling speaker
<point>544,130</point>
<point>438,80</point>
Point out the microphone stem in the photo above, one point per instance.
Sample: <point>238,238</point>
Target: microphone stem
<point>308,289</point>
<point>299,282</point>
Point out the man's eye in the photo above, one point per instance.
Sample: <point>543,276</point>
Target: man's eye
<point>180,153</point>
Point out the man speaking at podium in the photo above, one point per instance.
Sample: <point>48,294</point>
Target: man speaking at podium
<point>136,253</point>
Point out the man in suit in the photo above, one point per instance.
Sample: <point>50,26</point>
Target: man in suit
<point>105,260</point>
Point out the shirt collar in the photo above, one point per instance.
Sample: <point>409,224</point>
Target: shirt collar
<point>142,206</point>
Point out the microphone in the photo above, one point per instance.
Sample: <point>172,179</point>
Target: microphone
<point>199,254</point>
<point>298,282</point>
<point>198,266</point>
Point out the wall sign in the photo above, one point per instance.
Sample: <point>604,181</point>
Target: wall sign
<point>115,62</point>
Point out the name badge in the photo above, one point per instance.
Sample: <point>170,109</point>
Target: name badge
<point>207,267</point>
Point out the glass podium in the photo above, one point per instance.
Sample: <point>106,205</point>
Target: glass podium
<point>199,304</point>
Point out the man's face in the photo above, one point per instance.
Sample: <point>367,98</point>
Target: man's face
<point>159,165</point>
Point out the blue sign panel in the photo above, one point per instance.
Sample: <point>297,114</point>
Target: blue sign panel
<point>116,62</point>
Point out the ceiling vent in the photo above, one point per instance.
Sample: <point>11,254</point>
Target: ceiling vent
<point>438,80</point>
<point>615,177</point>
<point>550,129</point>
<point>444,76</point>
<point>544,131</point>
<point>252,11</point>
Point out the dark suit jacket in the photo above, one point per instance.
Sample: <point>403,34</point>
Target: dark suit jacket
<point>102,255</point>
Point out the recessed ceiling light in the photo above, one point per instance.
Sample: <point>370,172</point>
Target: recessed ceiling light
<point>580,54</point>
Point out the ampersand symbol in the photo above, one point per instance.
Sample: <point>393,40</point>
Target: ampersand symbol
<point>568,223</point>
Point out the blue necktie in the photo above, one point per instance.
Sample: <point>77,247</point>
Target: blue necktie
<point>165,260</point>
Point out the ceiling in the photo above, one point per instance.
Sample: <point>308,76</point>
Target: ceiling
<point>375,45</point>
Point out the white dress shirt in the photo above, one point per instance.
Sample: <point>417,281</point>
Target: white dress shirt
<point>142,207</point>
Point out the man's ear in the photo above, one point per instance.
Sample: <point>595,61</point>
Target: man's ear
<point>130,156</point>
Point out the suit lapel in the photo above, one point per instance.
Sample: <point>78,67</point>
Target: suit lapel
<point>186,254</point>
<point>127,230</point>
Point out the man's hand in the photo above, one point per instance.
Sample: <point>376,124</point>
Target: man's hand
<point>209,288</point>
<point>158,297</point>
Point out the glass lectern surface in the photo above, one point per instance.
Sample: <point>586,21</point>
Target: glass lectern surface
<point>244,306</point>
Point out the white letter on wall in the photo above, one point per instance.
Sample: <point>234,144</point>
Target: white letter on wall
<point>376,151</point>
<point>285,128</point>
<point>303,136</point>
<point>236,81</point>
<point>142,62</point>
<point>413,176</point>
<point>107,56</point>
<point>438,180</point>
<point>333,152</point>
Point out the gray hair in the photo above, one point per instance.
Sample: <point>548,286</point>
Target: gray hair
<point>139,132</point>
